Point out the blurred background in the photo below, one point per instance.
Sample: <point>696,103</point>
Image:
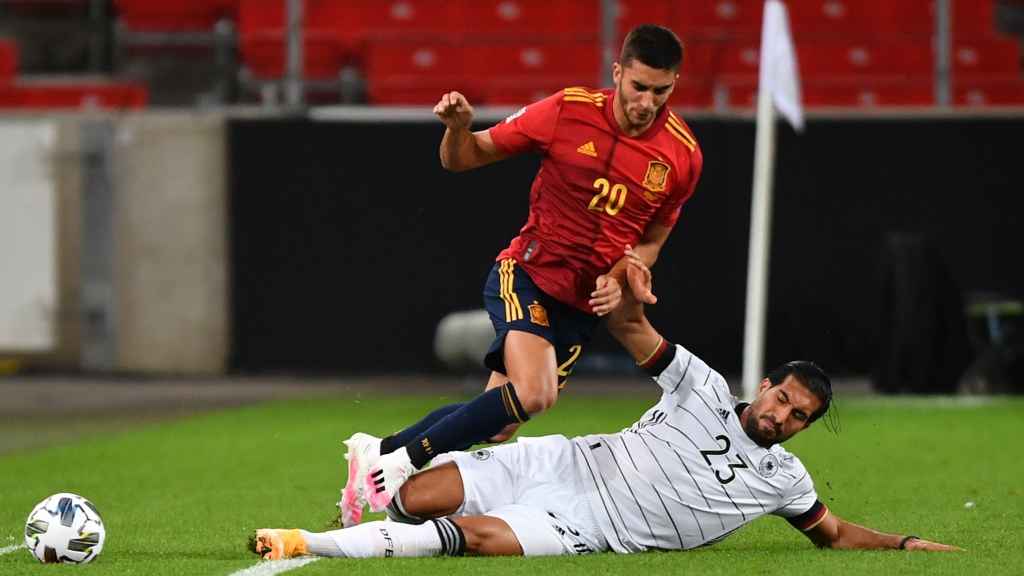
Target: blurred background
<point>210,188</point>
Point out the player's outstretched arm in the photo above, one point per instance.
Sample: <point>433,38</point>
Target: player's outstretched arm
<point>834,532</point>
<point>627,323</point>
<point>462,149</point>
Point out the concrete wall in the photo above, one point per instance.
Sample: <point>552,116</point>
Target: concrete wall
<point>169,279</point>
<point>171,243</point>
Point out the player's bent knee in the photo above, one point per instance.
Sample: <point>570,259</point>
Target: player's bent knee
<point>488,536</point>
<point>538,398</point>
<point>434,492</point>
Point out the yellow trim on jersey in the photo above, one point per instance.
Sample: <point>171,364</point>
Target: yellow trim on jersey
<point>581,95</point>
<point>574,90</point>
<point>680,136</point>
<point>678,124</point>
<point>513,311</point>
<point>598,103</point>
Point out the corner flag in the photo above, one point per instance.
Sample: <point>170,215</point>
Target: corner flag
<point>778,69</point>
<point>778,87</point>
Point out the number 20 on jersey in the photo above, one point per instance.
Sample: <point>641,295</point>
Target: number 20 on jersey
<point>613,196</point>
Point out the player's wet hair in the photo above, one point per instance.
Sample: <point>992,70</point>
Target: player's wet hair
<point>812,377</point>
<point>653,45</point>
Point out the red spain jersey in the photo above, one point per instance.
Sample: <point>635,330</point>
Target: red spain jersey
<point>597,188</point>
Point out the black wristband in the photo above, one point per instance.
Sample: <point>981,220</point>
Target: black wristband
<point>903,542</point>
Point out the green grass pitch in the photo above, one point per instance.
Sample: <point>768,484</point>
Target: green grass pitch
<point>180,497</point>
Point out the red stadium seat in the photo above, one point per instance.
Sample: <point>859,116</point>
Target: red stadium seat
<point>737,91</point>
<point>512,93</point>
<point>632,13</point>
<point>524,18</point>
<point>901,59</point>
<point>839,92</point>
<point>692,93</point>
<point>973,19</point>
<point>740,58</point>
<point>868,93</point>
<point>579,62</point>
<point>73,95</point>
<point>493,73</point>
<point>815,59</point>
<point>986,57</point>
<point>415,72</point>
<point>266,55</point>
<point>176,16</point>
<point>362,18</point>
<point>262,38</point>
<point>8,60</point>
<point>861,19</point>
<point>718,18</point>
<point>988,92</point>
<point>519,73</point>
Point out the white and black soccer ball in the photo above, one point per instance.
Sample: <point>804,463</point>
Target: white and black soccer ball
<point>65,528</point>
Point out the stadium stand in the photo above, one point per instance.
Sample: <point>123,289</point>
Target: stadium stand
<point>57,94</point>
<point>8,60</point>
<point>176,16</point>
<point>851,52</point>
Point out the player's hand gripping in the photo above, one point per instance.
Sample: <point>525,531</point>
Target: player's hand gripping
<point>607,296</point>
<point>638,276</point>
<point>454,110</point>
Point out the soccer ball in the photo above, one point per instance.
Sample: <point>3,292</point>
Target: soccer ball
<point>65,528</point>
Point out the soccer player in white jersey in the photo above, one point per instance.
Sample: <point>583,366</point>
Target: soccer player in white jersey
<point>696,467</point>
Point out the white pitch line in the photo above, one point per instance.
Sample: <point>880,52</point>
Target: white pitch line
<point>271,567</point>
<point>9,549</point>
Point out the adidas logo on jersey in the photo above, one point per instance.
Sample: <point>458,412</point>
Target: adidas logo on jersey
<point>588,149</point>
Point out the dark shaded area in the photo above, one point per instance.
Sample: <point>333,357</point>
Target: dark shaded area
<point>350,243</point>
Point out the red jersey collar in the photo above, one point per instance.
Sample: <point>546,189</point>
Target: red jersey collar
<point>609,115</point>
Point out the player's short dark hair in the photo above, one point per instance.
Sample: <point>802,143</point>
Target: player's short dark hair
<point>812,377</point>
<point>653,45</point>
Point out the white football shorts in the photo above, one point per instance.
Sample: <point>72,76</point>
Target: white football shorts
<point>531,484</point>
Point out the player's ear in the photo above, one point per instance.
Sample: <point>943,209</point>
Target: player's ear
<point>764,385</point>
<point>616,73</point>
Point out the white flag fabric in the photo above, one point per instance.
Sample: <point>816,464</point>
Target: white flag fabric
<point>778,71</point>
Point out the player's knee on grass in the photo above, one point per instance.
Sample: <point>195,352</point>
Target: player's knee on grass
<point>488,536</point>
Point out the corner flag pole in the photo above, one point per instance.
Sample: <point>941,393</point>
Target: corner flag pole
<point>757,253</point>
<point>778,85</point>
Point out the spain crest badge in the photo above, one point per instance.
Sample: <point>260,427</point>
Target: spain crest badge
<point>538,315</point>
<point>656,177</point>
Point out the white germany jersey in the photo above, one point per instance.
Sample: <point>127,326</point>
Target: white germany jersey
<point>687,474</point>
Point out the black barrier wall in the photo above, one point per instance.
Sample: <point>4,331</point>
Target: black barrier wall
<point>350,242</point>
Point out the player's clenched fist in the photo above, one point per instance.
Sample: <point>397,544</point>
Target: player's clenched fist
<point>454,110</point>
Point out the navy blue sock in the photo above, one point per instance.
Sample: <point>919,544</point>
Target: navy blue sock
<point>403,437</point>
<point>478,420</point>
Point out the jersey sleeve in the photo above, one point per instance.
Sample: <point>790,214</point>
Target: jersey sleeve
<point>531,128</point>
<point>800,500</point>
<point>684,373</point>
<point>669,212</point>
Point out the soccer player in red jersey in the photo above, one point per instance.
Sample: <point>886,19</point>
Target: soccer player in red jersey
<point>617,166</point>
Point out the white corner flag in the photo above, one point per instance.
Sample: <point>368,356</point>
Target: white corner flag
<point>778,84</point>
<point>778,73</point>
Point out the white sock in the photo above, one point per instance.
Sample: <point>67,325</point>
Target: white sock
<point>387,539</point>
<point>320,544</point>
